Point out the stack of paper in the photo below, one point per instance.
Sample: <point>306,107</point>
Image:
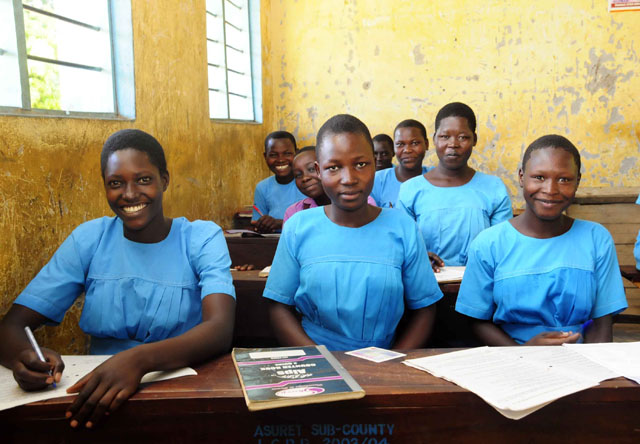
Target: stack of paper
<point>517,381</point>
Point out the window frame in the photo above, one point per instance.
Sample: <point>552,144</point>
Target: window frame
<point>123,81</point>
<point>255,58</point>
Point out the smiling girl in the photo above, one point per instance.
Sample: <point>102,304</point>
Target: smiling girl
<point>539,277</point>
<point>158,291</point>
<point>350,268</point>
<point>452,203</point>
<point>410,145</point>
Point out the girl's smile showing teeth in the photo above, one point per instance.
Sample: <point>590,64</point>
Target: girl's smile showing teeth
<point>134,208</point>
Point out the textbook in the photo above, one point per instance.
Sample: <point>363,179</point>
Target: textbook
<point>280,377</point>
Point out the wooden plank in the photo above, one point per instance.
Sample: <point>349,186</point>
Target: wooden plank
<point>623,233</point>
<point>625,254</point>
<point>597,195</point>
<point>607,213</point>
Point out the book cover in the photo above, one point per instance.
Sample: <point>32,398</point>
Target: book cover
<point>279,377</point>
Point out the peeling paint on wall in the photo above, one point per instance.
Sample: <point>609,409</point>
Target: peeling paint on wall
<point>543,67</point>
<point>49,167</point>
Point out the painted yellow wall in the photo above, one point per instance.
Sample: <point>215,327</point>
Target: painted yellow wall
<point>526,68</point>
<point>50,176</point>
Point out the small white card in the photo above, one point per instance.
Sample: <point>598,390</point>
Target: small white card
<point>375,354</point>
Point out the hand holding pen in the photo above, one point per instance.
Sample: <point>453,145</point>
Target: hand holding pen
<point>37,368</point>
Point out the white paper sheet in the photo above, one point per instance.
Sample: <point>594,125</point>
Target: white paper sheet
<point>75,368</point>
<point>516,381</point>
<point>450,274</point>
<point>621,357</point>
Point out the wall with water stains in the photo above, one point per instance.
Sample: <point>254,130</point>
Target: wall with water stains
<point>526,68</point>
<point>49,167</point>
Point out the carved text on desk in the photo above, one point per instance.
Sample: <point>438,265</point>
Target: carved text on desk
<point>328,433</point>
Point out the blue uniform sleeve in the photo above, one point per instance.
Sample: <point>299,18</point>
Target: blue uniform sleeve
<point>405,200</point>
<point>610,297</point>
<point>260,201</point>
<point>58,284</point>
<point>475,298</point>
<point>284,277</point>
<point>209,257</point>
<point>502,210</point>
<point>420,286</point>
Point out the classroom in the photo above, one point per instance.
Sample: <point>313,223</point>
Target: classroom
<point>526,68</point>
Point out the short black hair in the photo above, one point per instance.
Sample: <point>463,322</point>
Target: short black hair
<point>137,140</point>
<point>279,135</point>
<point>383,138</point>
<point>305,149</point>
<point>339,124</point>
<point>457,109</point>
<point>552,141</point>
<point>411,123</point>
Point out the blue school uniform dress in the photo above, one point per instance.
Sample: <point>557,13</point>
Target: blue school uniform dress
<point>449,218</point>
<point>636,250</point>
<point>351,285</point>
<point>386,187</point>
<point>527,286</point>
<point>273,198</point>
<point>134,293</point>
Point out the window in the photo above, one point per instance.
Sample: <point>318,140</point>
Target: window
<point>66,57</point>
<point>233,57</point>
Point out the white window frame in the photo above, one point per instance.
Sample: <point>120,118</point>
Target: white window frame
<point>255,60</point>
<point>121,64</point>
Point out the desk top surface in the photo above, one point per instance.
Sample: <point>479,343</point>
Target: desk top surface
<point>392,379</point>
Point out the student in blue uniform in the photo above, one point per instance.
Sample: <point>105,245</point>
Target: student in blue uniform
<point>383,151</point>
<point>350,268</point>
<point>308,182</point>
<point>276,193</point>
<point>539,277</point>
<point>158,291</point>
<point>636,250</point>
<point>452,202</point>
<point>411,144</point>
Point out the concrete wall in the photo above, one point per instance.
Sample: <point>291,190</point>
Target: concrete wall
<point>526,68</point>
<point>50,176</point>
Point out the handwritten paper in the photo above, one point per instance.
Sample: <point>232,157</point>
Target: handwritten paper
<point>76,367</point>
<point>517,381</point>
<point>622,357</point>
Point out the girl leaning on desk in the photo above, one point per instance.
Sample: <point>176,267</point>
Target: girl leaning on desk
<point>158,291</point>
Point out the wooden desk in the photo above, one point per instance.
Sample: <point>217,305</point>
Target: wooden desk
<point>258,251</point>
<point>402,405</point>
<point>254,330</point>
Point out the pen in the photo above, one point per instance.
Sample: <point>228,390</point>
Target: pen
<point>586,326</point>
<point>258,210</point>
<point>36,348</point>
